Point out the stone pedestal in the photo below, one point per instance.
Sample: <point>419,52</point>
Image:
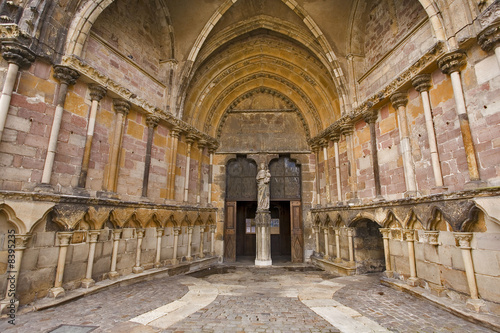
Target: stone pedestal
<point>263,233</point>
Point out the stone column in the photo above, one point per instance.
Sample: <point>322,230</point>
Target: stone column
<point>410,239</point>
<point>348,130</point>
<point>113,274</point>
<point>96,94</point>
<point>190,243</point>
<point>263,235</point>
<point>464,239</point>
<point>335,138</point>
<point>67,77</point>
<point>152,121</point>
<point>351,246</point>
<point>371,118</point>
<point>316,236</point>
<point>159,234</point>
<point>88,281</point>
<point>202,234</point>
<point>138,268</point>
<point>64,239</point>
<point>201,146</point>
<point>10,302</point>
<point>176,244</point>
<point>122,108</point>
<point>399,101</point>
<point>211,151</point>
<point>324,145</point>
<point>174,134</point>
<point>327,245</point>
<point>315,149</point>
<point>189,140</point>
<point>212,239</point>
<point>489,38</point>
<point>338,258</point>
<point>17,56</point>
<point>451,64</point>
<point>422,84</point>
<point>387,252</point>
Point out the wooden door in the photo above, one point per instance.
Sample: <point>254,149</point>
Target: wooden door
<point>230,232</point>
<point>297,233</point>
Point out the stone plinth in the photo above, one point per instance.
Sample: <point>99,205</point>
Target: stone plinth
<point>263,233</point>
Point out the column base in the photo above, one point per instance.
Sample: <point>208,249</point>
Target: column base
<point>56,292</point>
<point>189,258</point>
<point>389,274</point>
<point>337,260</point>
<point>353,201</point>
<point>44,188</point>
<point>113,275</point>
<point>439,189</point>
<point>351,264</point>
<point>157,265</point>
<point>413,282</point>
<point>477,305</point>
<point>81,192</point>
<point>475,184</point>
<point>201,256</point>
<point>326,257</point>
<point>9,306</point>
<point>263,263</point>
<point>137,269</point>
<point>411,194</point>
<point>87,283</point>
<point>438,291</point>
<point>378,198</point>
<point>174,261</point>
<point>107,195</point>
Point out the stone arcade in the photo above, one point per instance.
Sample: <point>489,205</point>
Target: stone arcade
<point>134,134</point>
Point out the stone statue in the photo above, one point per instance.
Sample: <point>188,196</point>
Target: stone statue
<point>263,179</point>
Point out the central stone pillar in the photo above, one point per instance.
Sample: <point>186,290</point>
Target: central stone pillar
<point>263,218</point>
<point>263,234</point>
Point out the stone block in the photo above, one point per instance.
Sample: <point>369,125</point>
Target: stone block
<point>30,258</point>
<point>47,257</point>
<point>167,253</point>
<point>74,271</point>
<point>107,248</point>
<point>457,260</point>
<point>431,253</point>
<point>98,250</point>
<point>454,279</point>
<point>44,239</point>
<point>429,272</point>
<point>101,267</point>
<point>80,252</point>
<point>486,262</point>
<point>131,245</point>
<point>401,265</point>
<point>444,253</point>
<point>33,281</point>
<point>149,243</point>
<point>487,69</point>
<point>125,261</point>
<point>488,287</point>
<point>395,247</point>
<point>122,244</point>
<point>486,241</point>
<point>148,257</point>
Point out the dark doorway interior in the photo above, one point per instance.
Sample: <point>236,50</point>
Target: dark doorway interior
<point>281,243</point>
<point>245,242</point>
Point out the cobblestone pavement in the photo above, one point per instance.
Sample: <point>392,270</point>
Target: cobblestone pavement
<point>248,299</point>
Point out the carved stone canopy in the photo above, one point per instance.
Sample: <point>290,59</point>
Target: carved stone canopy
<point>66,75</point>
<point>489,37</point>
<point>399,99</point>
<point>452,62</point>
<point>121,106</point>
<point>17,54</point>
<point>97,92</point>
<point>422,82</point>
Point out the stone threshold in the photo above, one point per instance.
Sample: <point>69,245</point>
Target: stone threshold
<point>341,268</point>
<point>154,273</point>
<point>458,309</point>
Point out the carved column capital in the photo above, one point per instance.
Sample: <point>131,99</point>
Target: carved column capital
<point>66,75</point>
<point>159,232</point>
<point>350,232</point>
<point>489,37</point>
<point>152,120</point>
<point>175,132</point>
<point>177,231</point>
<point>190,138</point>
<point>315,147</point>
<point>422,82</point>
<point>347,129</point>
<point>212,148</point>
<point>93,235</point>
<point>121,106</point>
<point>463,239</point>
<point>335,136</point>
<point>117,234</point>
<point>212,228</point>
<point>21,241</point>
<point>385,233</point>
<point>17,54</point>
<point>432,236</point>
<point>323,143</point>
<point>202,143</point>
<point>399,99</point>
<point>370,116</point>
<point>409,235</point>
<point>140,233</point>
<point>452,62</point>
<point>97,92</point>
<point>64,238</point>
